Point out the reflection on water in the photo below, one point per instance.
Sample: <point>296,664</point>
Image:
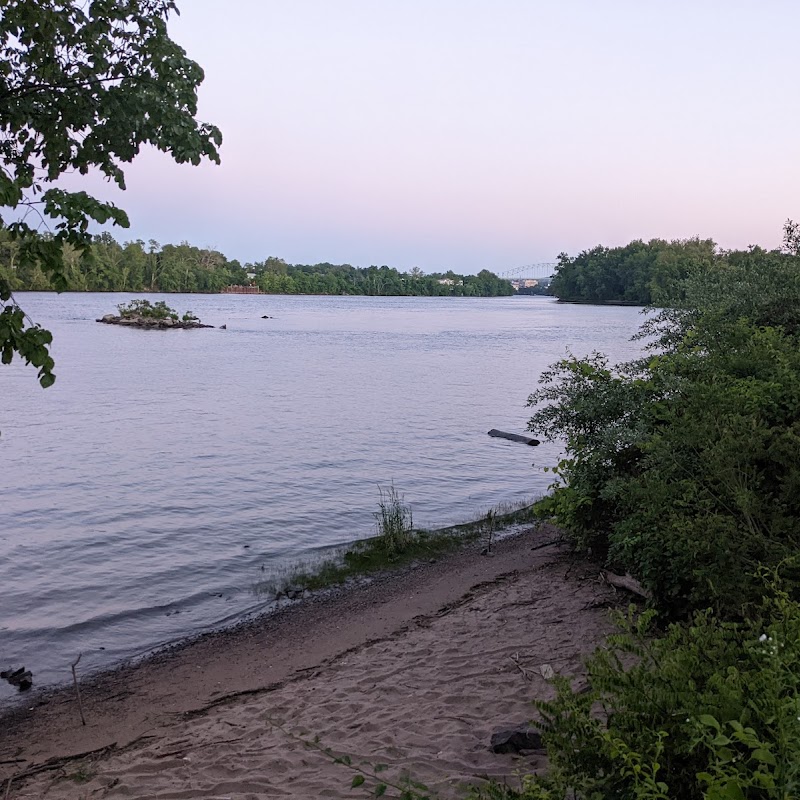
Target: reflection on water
<point>166,472</point>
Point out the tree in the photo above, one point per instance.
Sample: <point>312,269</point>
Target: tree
<point>681,466</point>
<point>83,85</point>
<point>641,273</point>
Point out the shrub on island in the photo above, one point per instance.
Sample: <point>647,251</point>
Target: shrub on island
<point>144,314</point>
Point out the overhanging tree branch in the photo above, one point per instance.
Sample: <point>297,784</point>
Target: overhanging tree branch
<point>82,86</point>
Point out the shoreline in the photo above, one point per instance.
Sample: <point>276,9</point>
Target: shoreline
<point>309,644</point>
<point>575,302</point>
<point>316,580</point>
<point>274,294</point>
<point>317,600</point>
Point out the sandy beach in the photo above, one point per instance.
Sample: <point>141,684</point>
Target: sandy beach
<point>414,670</point>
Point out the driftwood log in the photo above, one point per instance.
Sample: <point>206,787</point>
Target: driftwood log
<point>626,581</point>
<point>514,437</point>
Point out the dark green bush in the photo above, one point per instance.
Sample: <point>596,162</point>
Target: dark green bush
<point>147,310</point>
<point>159,310</point>
<point>682,467</point>
<point>707,710</point>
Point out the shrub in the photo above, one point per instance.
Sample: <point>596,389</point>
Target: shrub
<point>147,310</point>
<point>681,467</point>
<point>707,710</point>
<point>144,309</point>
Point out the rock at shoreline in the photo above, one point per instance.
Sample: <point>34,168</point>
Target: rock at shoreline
<point>151,323</point>
<point>514,740</point>
<point>21,678</point>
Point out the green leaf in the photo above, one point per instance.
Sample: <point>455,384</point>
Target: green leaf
<point>709,721</point>
<point>380,789</point>
<point>763,756</point>
<point>357,781</point>
<point>725,755</point>
<point>733,791</point>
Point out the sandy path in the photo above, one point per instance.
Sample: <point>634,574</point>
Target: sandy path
<point>415,673</point>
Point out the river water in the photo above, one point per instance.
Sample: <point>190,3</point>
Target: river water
<point>166,473</point>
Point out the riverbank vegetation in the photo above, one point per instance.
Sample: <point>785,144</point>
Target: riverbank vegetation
<point>681,468</point>
<point>396,543</point>
<point>108,266</point>
<point>704,710</point>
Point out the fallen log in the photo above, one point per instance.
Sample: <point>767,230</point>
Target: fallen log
<point>626,581</point>
<point>514,437</point>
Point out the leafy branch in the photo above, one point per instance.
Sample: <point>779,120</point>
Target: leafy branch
<point>82,86</point>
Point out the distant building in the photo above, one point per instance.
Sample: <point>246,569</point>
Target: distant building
<point>241,290</point>
<point>524,283</point>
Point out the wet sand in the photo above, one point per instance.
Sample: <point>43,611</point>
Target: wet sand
<point>414,670</point>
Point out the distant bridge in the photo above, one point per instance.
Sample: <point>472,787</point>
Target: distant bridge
<point>541,271</point>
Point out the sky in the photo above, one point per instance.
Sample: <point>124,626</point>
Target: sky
<point>458,134</point>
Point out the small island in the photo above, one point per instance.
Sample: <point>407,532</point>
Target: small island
<point>155,316</point>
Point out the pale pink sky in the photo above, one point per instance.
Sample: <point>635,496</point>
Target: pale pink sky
<point>463,134</point>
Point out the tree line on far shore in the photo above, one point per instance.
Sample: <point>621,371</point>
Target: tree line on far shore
<point>647,273</point>
<point>138,266</point>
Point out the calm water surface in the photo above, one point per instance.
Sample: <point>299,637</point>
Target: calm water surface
<point>166,473</point>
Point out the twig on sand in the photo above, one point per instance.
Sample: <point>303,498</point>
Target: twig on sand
<point>525,674</point>
<point>8,787</point>
<point>181,750</point>
<point>78,688</point>
<point>59,762</point>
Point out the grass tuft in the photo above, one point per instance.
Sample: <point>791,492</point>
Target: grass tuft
<point>395,522</point>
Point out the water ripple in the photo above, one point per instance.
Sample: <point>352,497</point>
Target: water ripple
<point>164,475</point>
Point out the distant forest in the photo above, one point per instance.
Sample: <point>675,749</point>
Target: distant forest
<point>646,273</point>
<point>638,273</point>
<point>150,267</point>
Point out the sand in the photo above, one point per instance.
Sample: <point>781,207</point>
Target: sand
<point>414,671</point>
